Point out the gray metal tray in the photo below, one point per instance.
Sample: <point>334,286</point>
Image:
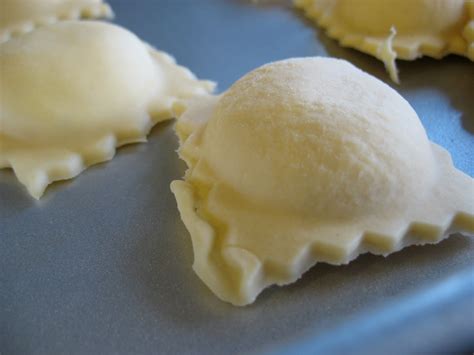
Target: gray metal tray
<point>102,263</point>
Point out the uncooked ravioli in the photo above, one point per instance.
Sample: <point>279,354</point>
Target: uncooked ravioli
<point>304,161</point>
<point>74,91</point>
<point>19,16</point>
<point>397,29</point>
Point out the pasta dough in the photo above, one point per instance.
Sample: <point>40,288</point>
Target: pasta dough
<point>65,107</point>
<point>304,161</point>
<point>19,16</point>
<point>391,29</point>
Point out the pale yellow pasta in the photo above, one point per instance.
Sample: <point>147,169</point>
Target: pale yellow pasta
<point>397,29</point>
<point>73,91</point>
<point>304,161</point>
<point>20,16</point>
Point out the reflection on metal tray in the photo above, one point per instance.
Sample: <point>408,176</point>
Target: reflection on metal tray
<point>102,264</point>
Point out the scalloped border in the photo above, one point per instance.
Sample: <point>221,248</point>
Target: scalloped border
<point>252,271</point>
<point>101,10</point>
<point>368,44</point>
<point>388,50</point>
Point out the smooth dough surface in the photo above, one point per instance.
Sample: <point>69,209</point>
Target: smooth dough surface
<point>397,29</point>
<point>20,16</point>
<point>304,161</point>
<point>64,107</point>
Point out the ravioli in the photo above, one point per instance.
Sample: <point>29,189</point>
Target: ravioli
<point>20,16</point>
<point>73,91</point>
<point>304,161</point>
<point>397,29</point>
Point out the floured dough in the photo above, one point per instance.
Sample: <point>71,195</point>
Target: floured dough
<point>73,91</point>
<point>19,16</point>
<point>390,29</point>
<point>304,161</point>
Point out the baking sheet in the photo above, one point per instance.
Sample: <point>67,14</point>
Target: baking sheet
<point>102,263</point>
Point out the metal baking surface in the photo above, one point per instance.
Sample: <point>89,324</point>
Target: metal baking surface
<point>102,263</point>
